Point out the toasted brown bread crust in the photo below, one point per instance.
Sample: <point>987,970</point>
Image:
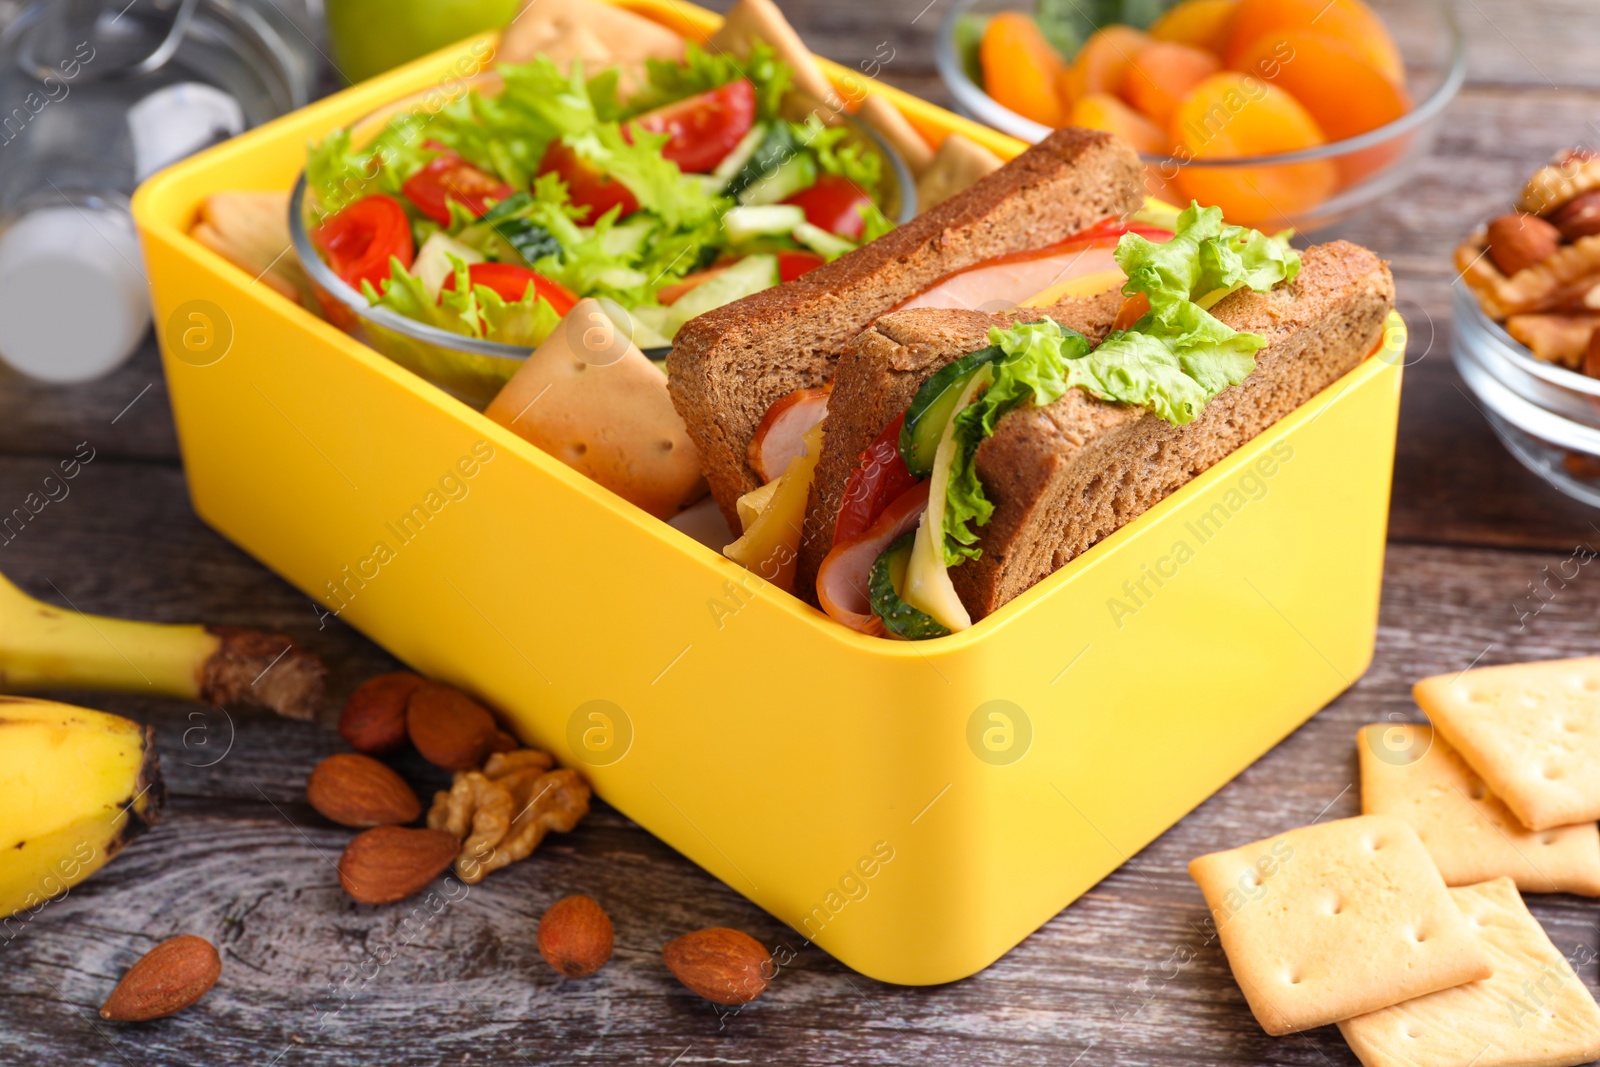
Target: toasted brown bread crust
<point>1064,477</point>
<point>729,365</point>
<point>876,379</point>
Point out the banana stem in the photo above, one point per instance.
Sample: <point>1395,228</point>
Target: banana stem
<point>42,646</point>
<point>45,647</point>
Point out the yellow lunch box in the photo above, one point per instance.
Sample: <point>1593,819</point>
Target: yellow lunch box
<point>915,809</point>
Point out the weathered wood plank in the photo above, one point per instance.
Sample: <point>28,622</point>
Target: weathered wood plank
<point>1124,976</point>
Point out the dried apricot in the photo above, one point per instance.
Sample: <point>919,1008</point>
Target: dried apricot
<point>1202,23</point>
<point>1339,86</point>
<point>1103,58</point>
<point>1162,74</point>
<point>1102,111</point>
<point>1232,115</point>
<point>1020,68</point>
<point>1350,21</point>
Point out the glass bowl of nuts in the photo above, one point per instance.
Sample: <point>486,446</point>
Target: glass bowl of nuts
<point>1527,324</point>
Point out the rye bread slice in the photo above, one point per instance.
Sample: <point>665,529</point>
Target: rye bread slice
<point>1064,477</point>
<point>729,365</point>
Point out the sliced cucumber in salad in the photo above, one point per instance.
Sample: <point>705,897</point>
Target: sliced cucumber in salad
<point>734,163</point>
<point>790,177</point>
<point>750,275</point>
<point>432,265</point>
<point>747,223</point>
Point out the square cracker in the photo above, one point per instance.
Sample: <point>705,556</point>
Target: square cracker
<point>1531,730</point>
<point>1533,1012</point>
<point>1331,921</point>
<point>1410,772</point>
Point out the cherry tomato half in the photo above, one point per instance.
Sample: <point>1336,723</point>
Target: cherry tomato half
<point>703,129</point>
<point>449,177</point>
<point>359,240</point>
<point>879,478</point>
<point>793,264</point>
<point>512,281</point>
<point>834,204</point>
<point>587,184</point>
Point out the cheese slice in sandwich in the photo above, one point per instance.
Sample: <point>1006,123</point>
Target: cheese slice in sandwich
<point>1080,428</point>
<point>730,365</point>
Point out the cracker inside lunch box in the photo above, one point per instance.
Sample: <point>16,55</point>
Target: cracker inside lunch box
<point>1335,920</point>
<point>1534,1011</point>
<point>1530,730</point>
<point>1409,771</point>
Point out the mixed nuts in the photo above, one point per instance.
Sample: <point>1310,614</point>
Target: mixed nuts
<point>503,800</point>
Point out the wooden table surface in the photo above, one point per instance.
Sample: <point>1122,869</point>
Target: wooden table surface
<point>1124,976</point>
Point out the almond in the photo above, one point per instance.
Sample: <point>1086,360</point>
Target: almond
<point>1591,356</point>
<point>722,965</point>
<point>575,936</point>
<point>448,727</point>
<point>1580,218</point>
<point>359,791</point>
<point>1517,242</point>
<point>503,742</point>
<point>167,979</point>
<point>374,718</point>
<point>390,863</point>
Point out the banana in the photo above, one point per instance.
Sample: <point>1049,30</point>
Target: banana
<point>46,647</point>
<point>75,787</point>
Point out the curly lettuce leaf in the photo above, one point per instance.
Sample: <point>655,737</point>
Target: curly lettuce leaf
<point>508,132</point>
<point>525,322</point>
<point>655,181</point>
<point>337,174</point>
<point>1205,256</point>
<point>404,293</point>
<point>701,71</point>
<point>469,310</point>
<point>1035,369</point>
<point>837,153</point>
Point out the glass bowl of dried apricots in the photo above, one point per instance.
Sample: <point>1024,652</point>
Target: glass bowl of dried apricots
<point>1284,113</point>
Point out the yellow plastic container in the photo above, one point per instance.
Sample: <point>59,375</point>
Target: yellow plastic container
<point>913,809</point>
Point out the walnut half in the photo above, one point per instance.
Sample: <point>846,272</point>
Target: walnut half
<point>501,813</point>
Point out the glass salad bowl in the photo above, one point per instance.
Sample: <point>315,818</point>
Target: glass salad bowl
<point>473,369</point>
<point>1305,189</point>
<point>1547,416</point>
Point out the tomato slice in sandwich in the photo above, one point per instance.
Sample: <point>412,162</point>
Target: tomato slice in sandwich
<point>879,478</point>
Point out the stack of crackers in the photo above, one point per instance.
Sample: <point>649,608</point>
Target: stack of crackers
<point>1405,925</point>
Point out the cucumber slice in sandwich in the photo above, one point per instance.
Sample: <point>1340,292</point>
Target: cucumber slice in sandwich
<point>928,585</point>
<point>933,406</point>
<point>888,577</point>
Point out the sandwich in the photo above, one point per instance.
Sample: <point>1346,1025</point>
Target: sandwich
<point>965,455</point>
<point>762,365</point>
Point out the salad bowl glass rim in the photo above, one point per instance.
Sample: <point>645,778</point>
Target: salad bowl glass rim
<point>324,278</point>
